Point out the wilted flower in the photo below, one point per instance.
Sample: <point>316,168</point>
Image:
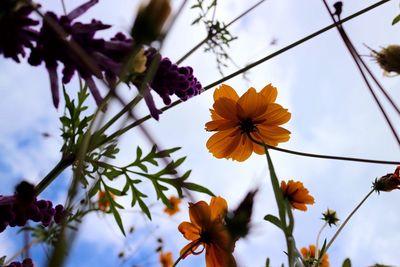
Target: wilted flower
<point>236,118</point>
<point>16,29</point>
<point>309,257</point>
<point>388,182</point>
<point>296,194</point>
<point>330,217</point>
<point>150,21</point>
<point>207,229</point>
<point>174,201</point>
<point>166,259</point>
<point>388,58</point>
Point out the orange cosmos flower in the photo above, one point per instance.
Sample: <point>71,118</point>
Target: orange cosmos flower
<point>103,202</point>
<point>234,118</point>
<point>297,194</point>
<point>166,259</point>
<point>309,257</point>
<point>174,201</point>
<point>207,229</point>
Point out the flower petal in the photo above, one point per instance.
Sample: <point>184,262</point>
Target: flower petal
<point>220,125</point>
<point>225,91</point>
<point>270,93</point>
<point>252,104</point>
<point>272,135</point>
<point>226,108</point>
<point>199,214</point>
<point>274,115</point>
<point>219,208</point>
<point>243,149</point>
<point>190,231</point>
<point>223,143</point>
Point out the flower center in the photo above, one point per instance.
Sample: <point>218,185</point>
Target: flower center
<point>247,126</point>
<point>206,237</point>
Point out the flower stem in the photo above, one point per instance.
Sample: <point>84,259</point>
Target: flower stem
<point>317,241</point>
<point>347,220</point>
<point>23,250</point>
<point>57,170</point>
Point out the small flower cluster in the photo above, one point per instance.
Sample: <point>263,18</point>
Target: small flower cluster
<point>25,263</point>
<point>17,209</point>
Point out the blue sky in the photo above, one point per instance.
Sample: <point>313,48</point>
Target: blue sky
<point>332,113</point>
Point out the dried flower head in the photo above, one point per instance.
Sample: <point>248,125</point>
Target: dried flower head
<point>330,217</point>
<point>296,194</point>
<point>309,257</point>
<point>388,182</point>
<point>207,229</point>
<point>174,202</point>
<point>388,58</point>
<point>236,118</point>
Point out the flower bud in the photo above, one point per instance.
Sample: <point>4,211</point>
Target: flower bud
<point>388,182</point>
<point>150,21</point>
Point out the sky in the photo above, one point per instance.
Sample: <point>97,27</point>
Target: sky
<point>332,113</point>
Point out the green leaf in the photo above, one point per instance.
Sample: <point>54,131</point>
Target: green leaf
<point>117,218</point>
<point>144,208</point>
<point>197,188</point>
<point>267,263</point>
<point>2,260</point>
<point>346,263</point>
<point>274,220</point>
<point>95,188</point>
<point>396,19</point>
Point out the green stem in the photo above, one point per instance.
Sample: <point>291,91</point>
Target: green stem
<point>53,174</point>
<point>347,220</point>
<point>317,241</point>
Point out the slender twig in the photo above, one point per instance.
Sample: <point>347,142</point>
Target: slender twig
<point>347,220</point>
<point>317,241</point>
<point>358,61</point>
<point>213,33</point>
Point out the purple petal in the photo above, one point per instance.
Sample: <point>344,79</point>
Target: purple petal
<point>81,9</point>
<point>94,90</point>
<point>148,98</point>
<point>54,84</point>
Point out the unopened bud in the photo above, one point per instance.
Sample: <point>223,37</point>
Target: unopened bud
<point>150,20</point>
<point>388,182</point>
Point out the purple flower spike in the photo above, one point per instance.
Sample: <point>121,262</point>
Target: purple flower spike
<point>104,57</point>
<point>170,79</point>
<point>15,27</point>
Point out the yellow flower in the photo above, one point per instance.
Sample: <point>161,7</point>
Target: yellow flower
<point>297,194</point>
<point>234,118</point>
<point>207,229</point>
<point>139,62</point>
<point>174,201</point>
<point>103,201</point>
<point>166,259</point>
<point>309,257</point>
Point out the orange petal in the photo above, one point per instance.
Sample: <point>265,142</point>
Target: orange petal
<point>214,115</point>
<point>257,148</point>
<point>220,125</point>
<point>189,230</point>
<point>221,144</point>
<point>218,257</point>
<point>225,108</point>
<point>275,115</point>
<point>218,207</point>
<point>251,104</point>
<point>270,93</point>
<point>225,91</point>
<point>199,214</point>
<point>243,149</point>
<point>272,135</point>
